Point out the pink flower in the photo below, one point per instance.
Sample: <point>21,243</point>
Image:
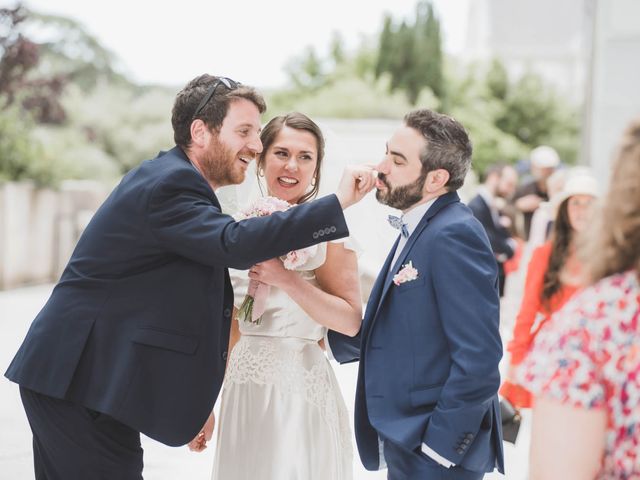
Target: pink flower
<point>406,274</point>
<point>262,207</point>
<point>255,302</point>
<point>298,258</point>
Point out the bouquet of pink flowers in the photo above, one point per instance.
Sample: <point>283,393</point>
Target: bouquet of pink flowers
<point>254,303</point>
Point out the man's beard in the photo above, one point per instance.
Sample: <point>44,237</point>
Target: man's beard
<point>402,197</point>
<point>218,164</point>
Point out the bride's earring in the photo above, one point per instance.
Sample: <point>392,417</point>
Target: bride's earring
<point>260,172</point>
<point>313,182</point>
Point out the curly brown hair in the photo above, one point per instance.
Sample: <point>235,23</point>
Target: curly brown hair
<point>448,145</point>
<point>213,113</point>
<point>614,243</point>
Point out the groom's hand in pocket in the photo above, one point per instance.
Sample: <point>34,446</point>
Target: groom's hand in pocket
<point>199,443</point>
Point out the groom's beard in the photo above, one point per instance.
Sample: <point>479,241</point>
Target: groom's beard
<point>403,197</point>
<point>220,164</point>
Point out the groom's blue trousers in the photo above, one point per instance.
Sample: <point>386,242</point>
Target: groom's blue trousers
<point>71,442</point>
<point>403,464</point>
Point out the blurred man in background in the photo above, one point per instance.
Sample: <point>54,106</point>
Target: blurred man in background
<point>544,161</point>
<point>486,208</point>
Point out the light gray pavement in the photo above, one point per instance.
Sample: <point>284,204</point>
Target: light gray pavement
<point>19,307</point>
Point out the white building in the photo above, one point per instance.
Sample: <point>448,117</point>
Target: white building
<point>548,37</point>
<point>588,49</point>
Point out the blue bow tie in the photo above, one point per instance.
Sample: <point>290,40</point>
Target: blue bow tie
<point>396,222</point>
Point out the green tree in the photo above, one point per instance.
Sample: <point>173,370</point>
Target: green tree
<point>497,80</point>
<point>306,72</point>
<point>37,92</point>
<point>338,54</point>
<point>386,48</point>
<point>73,52</point>
<point>412,54</point>
<point>535,115</point>
<point>18,151</point>
<point>427,67</point>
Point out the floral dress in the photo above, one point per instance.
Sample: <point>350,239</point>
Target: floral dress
<point>589,357</point>
<point>533,316</point>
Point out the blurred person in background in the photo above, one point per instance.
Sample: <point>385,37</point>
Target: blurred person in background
<point>505,192</point>
<point>508,183</point>
<point>543,217</point>
<point>509,214</point>
<point>585,368</point>
<point>543,162</point>
<point>485,208</point>
<point>553,276</point>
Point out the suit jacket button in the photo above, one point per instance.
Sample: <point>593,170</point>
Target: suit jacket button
<point>466,441</point>
<point>460,451</point>
<point>224,355</point>
<point>333,229</point>
<point>321,233</point>
<point>227,312</point>
<point>327,231</point>
<point>315,235</point>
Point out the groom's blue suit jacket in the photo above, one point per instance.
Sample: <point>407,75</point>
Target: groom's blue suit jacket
<point>429,348</point>
<point>138,325</point>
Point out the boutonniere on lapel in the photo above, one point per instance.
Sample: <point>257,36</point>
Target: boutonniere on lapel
<point>406,274</point>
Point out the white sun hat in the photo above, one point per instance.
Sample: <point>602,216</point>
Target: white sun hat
<point>579,182</point>
<point>544,157</point>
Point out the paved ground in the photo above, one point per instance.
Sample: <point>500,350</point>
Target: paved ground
<point>18,308</point>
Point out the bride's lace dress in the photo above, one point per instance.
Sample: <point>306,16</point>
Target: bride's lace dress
<point>282,415</point>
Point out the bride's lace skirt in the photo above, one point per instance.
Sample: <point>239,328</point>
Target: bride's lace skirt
<point>282,414</point>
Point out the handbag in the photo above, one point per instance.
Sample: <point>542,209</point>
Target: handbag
<point>510,421</point>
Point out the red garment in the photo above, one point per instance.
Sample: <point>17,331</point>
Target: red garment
<point>513,263</point>
<point>532,315</point>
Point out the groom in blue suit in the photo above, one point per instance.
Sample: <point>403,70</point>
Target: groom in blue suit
<point>134,336</point>
<point>429,346</point>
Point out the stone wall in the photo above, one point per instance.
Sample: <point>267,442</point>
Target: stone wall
<point>40,227</point>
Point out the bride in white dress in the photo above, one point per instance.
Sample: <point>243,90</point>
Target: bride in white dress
<point>282,414</point>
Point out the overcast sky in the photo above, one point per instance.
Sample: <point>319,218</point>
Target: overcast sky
<point>251,41</point>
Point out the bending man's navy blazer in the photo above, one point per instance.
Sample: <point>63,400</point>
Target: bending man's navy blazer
<point>429,348</point>
<point>138,325</point>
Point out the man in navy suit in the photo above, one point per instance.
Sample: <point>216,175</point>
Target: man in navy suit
<point>485,208</point>
<point>429,347</point>
<point>134,336</point>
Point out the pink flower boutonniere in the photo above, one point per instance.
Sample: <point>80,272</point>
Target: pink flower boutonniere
<point>406,274</point>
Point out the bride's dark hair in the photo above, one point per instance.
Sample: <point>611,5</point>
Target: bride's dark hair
<point>297,121</point>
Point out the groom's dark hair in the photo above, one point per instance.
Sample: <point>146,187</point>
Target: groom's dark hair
<point>448,145</point>
<point>213,111</point>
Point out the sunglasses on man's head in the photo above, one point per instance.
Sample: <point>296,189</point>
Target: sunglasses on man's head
<point>227,82</point>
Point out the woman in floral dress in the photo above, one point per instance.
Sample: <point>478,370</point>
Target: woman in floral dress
<point>584,368</point>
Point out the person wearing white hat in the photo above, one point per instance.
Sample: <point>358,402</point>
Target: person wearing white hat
<point>544,161</point>
<point>553,275</point>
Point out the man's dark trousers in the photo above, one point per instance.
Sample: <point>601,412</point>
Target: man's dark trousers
<point>73,442</point>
